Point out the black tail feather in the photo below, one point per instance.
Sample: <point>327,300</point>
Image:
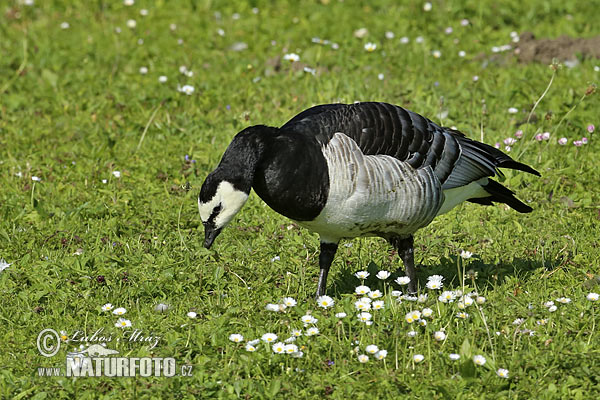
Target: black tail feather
<point>501,194</point>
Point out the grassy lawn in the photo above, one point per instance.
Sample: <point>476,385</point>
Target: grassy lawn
<point>103,149</point>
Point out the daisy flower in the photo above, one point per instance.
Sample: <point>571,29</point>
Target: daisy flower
<point>454,356</point>
<point>370,47</point>
<point>412,316</point>
<point>396,293</point>
<point>418,358</point>
<point>278,348</point>
<point>186,89</point>
<point>250,347</point>
<point>292,57</point>
<point>439,336</point>
<point>436,53</point>
<point>381,354</point>
<point>427,6</point>
<point>402,280</point>
<point>375,294</point>
<point>364,317</point>
<point>383,275</point>
<point>462,315</point>
<point>552,308</point>
<point>593,296</point>
<point>116,174</point>
<point>447,297</point>
<point>389,35</point>
<point>513,110</point>
<point>340,315</point>
<point>119,311</point>
<point>123,323</point>
<point>480,300</point>
<point>378,305</point>
<point>236,337</point>
<point>308,319</point>
<point>411,333</point>
<point>106,307</point>
<point>362,274</point>
<point>291,339</point>
<point>466,254</point>
<point>479,360</point>
<point>363,358</point>
<point>325,301</point>
<point>404,40</point>
<point>298,354</point>
<point>289,302</point>
<point>131,23</point>
<point>563,300</point>
<point>269,337</point>
<point>362,289</point>
<point>290,348</point>
<point>192,314</point>
<point>296,332</point>
<point>362,305</point>
<point>434,284</point>
<point>427,312</point>
<point>274,307</point>
<point>372,349</point>
<point>162,79</point>
<point>422,298</point>
<point>312,331</point>
<point>502,373</point>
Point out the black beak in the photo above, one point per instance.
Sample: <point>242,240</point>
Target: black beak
<point>210,234</point>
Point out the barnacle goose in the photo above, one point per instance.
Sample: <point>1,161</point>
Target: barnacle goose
<point>350,170</point>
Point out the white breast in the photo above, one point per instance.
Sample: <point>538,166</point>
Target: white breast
<point>373,195</point>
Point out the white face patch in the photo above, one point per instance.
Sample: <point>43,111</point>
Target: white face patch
<point>230,200</point>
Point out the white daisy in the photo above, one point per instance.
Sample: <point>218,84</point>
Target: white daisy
<point>119,311</point>
<point>278,348</point>
<point>106,307</point>
<point>479,360</point>
<point>362,274</point>
<point>383,275</point>
<point>292,57</point>
<point>269,337</point>
<point>131,23</point>
<point>290,348</point>
<point>375,294</point>
<point>162,79</point>
<point>192,314</point>
<point>381,354</point>
<point>236,337</point>
<point>363,358</point>
<point>427,312</point>
<point>378,305</point>
<point>312,331</point>
<point>123,323</point>
<point>372,349</point>
<point>364,317</point>
<point>308,319</point>
<point>454,356</point>
<point>370,47</point>
<point>402,280</point>
<point>289,301</point>
<point>362,289</point>
<point>325,301</point>
<point>340,315</point>
<point>502,373</point>
<point>591,296</point>
<point>466,254</point>
<point>250,347</point>
<point>439,336</point>
<point>418,358</point>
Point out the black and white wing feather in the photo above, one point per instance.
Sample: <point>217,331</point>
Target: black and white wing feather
<point>385,129</point>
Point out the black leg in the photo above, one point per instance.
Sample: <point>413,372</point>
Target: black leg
<point>325,259</point>
<point>405,248</point>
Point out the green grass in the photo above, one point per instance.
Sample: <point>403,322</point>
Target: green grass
<point>74,108</point>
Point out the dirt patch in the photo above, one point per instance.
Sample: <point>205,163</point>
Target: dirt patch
<point>563,48</point>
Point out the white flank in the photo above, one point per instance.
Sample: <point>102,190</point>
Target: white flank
<point>371,195</point>
<point>455,196</point>
<point>231,201</point>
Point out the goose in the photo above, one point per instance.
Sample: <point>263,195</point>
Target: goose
<point>352,170</point>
